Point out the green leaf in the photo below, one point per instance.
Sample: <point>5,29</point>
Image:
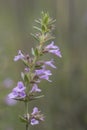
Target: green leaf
<point>35,37</point>
<point>52,21</point>
<point>26,79</point>
<point>25,63</point>
<point>37,21</point>
<point>37,28</point>
<point>22,119</point>
<point>22,75</point>
<point>39,97</point>
<point>35,98</point>
<point>34,52</point>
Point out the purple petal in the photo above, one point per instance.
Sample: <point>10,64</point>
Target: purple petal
<point>50,63</point>
<point>12,95</point>
<point>35,88</point>
<point>35,110</point>
<point>17,89</point>
<point>39,72</point>
<point>47,72</point>
<point>43,71</point>
<point>20,85</point>
<point>46,77</point>
<point>22,94</point>
<point>18,92</point>
<point>56,52</point>
<point>34,122</point>
<point>51,46</point>
<point>19,56</point>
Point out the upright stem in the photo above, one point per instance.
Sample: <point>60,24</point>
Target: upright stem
<point>26,107</point>
<point>27,127</point>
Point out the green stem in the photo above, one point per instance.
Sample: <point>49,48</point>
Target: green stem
<point>27,127</point>
<point>27,113</point>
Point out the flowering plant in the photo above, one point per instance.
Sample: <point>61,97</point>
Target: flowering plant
<point>35,69</point>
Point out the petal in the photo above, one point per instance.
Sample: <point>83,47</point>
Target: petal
<point>35,88</point>
<point>46,77</point>
<point>13,95</point>
<point>35,110</point>
<point>51,46</point>
<point>22,94</point>
<point>50,63</point>
<point>34,122</point>
<point>19,56</point>
<point>56,52</point>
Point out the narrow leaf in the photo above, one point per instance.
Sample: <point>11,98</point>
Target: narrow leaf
<point>22,119</point>
<point>37,28</point>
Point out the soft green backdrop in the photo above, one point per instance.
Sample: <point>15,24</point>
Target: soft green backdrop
<point>65,101</point>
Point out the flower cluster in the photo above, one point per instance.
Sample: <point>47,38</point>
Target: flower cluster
<point>18,92</point>
<point>35,70</point>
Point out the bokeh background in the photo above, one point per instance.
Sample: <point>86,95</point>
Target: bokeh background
<point>65,101</point>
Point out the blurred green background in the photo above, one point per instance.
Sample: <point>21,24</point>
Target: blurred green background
<point>65,101</point>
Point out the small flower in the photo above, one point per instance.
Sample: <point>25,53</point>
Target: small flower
<point>36,117</point>
<point>20,87</point>
<point>56,52</point>
<point>46,77</point>
<point>43,73</point>
<point>50,63</point>
<point>35,89</point>
<point>19,56</point>
<point>18,91</point>
<point>35,111</point>
<point>34,121</point>
<point>51,48</point>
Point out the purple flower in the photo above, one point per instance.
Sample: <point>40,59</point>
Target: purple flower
<point>20,87</point>
<point>19,56</point>
<point>56,52</point>
<point>13,95</point>
<point>46,77</point>
<point>43,71</point>
<point>35,111</point>
<point>34,121</point>
<point>43,74</point>
<point>35,89</point>
<point>18,91</point>
<point>51,48</point>
<point>50,63</point>
<point>36,117</point>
